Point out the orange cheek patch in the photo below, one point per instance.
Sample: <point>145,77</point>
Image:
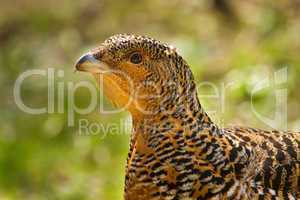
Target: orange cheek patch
<point>134,72</point>
<point>115,89</point>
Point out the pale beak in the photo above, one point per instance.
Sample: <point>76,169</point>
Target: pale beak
<point>89,63</point>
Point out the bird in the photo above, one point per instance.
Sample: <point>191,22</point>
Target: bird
<point>176,151</point>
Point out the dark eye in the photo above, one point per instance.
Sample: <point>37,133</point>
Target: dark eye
<point>136,58</point>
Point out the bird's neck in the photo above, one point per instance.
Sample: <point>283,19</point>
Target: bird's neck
<point>186,117</point>
<point>179,110</point>
<point>178,113</point>
<point>167,139</point>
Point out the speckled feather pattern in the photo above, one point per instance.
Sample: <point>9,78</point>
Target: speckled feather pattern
<point>181,154</point>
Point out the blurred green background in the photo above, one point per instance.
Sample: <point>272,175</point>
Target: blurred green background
<point>236,43</point>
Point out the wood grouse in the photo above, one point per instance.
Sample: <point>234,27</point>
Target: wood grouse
<point>176,151</point>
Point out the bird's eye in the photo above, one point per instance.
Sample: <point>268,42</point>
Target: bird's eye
<point>136,58</point>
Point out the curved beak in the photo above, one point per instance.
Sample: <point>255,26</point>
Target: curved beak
<point>89,63</point>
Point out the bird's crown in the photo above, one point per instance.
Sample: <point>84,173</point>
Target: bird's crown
<point>155,48</point>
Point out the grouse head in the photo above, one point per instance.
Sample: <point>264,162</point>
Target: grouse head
<point>142,74</point>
